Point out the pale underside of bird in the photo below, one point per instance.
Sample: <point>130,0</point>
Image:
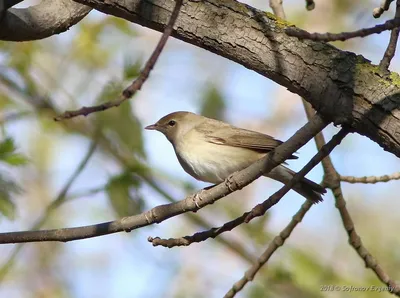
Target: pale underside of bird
<point>212,150</point>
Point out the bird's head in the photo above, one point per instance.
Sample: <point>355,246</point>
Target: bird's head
<point>176,124</point>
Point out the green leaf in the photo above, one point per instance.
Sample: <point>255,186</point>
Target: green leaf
<point>213,104</point>
<point>5,101</point>
<point>257,230</point>
<point>87,48</point>
<point>132,70</point>
<point>6,147</point>
<point>123,194</point>
<point>23,54</point>
<point>306,266</point>
<point>122,25</point>
<point>7,189</point>
<point>7,154</point>
<point>7,207</point>
<point>16,160</point>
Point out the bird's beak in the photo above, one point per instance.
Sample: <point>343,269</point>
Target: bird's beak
<point>151,127</point>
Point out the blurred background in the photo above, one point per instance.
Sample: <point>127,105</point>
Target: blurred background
<point>132,170</point>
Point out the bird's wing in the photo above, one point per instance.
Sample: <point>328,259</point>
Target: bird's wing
<point>238,137</point>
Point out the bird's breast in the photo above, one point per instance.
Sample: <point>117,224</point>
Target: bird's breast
<point>211,162</point>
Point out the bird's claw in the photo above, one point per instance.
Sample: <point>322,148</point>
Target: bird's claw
<point>197,198</point>
<point>231,183</point>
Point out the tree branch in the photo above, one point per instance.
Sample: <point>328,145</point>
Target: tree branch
<point>124,158</point>
<point>43,20</point>
<point>370,179</point>
<point>160,213</point>
<point>325,150</point>
<point>139,81</point>
<point>60,199</point>
<point>277,242</point>
<point>14,116</point>
<point>391,48</point>
<point>342,86</point>
<point>332,180</point>
<point>378,11</point>
<point>303,34</point>
<point>260,209</point>
<point>356,243</point>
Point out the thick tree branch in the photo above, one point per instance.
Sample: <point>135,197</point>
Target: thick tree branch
<point>342,86</point>
<point>123,157</point>
<point>58,201</point>
<point>163,212</point>
<point>332,180</point>
<point>45,19</point>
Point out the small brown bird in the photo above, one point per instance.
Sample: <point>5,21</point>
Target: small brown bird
<point>211,150</point>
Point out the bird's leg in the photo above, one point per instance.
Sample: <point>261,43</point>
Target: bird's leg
<point>197,196</point>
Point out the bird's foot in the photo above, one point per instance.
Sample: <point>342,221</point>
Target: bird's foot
<point>231,183</point>
<point>197,199</point>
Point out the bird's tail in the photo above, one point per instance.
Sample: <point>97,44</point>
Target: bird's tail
<point>307,188</point>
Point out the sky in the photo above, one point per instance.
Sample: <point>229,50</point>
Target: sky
<point>126,265</point>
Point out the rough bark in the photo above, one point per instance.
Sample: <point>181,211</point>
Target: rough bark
<point>342,86</point>
<point>47,18</point>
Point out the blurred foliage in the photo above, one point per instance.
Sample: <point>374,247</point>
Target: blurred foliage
<point>132,69</point>
<point>87,47</point>
<point>123,193</point>
<point>120,124</point>
<point>9,187</point>
<point>92,64</point>
<point>212,104</point>
<point>8,154</point>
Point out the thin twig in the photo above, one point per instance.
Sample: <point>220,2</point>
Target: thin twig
<point>277,8</point>
<point>356,243</point>
<point>302,34</point>
<point>11,117</point>
<point>61,198</point>
<point>200,236</point>
<point>370,179</point>
<point>86,193</point>
<point>260,209</point>
<point>234,245</point>
<point>191,203</point>
<point>391,48</point>
<point>126,160</point>
<point>277,242</point>
<point>138,82</point>
<point>378,11</point>
<point>332,180</point>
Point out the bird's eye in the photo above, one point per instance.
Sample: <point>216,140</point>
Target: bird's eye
<point>172,123</point>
